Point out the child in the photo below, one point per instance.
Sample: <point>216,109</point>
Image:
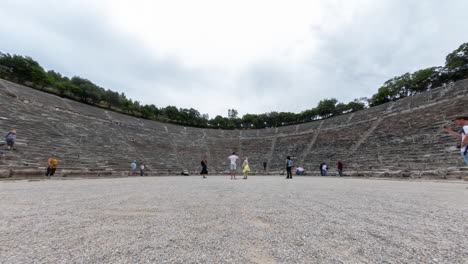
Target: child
<point>245,168</point>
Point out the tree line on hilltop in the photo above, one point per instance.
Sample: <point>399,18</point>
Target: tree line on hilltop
<point>24,70</point>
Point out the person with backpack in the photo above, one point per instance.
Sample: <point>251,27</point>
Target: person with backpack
<point>204,164</point>
<point>463,122</point>
<point>10,139</point>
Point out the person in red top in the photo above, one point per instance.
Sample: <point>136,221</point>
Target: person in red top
<point>340,168</point>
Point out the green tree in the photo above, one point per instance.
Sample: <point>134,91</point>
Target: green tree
<point>426,79</point>
<point>326,107</point>
<point>456,63</point>
<point>171,112</point>
<point>232,113</point>
<point>112,99</point>
<point>357,104</point>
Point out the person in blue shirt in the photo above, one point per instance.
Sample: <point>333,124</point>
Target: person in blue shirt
<point>289,165</point>
<point>133,165</point>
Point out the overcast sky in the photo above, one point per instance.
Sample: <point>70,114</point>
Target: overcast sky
<point>254,56</point>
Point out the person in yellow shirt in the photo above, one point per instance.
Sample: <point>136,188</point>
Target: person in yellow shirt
<point>245,168</point>
<point>52,163</point>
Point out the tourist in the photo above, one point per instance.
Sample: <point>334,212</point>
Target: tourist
<point>233,158</point>
<point>320,168</point>
<point>52,163</point>
<point>340,168</point>
<point>142,169</point>
<point>204,164</point>
<point>324,169</point>
<point>289,165</point>
<point>264,165</point>
<point>133,165</point>
<point>245,167</point>
<point>463,122</point>
<point>300,170</point>
<point>10,139</point>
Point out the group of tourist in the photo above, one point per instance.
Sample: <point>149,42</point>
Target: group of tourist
<point>233,166</point>
<point>459,121</point>
<point>52,162</point>
<point>10,140</point>
<point>323,167</point>
<point>233,158</point>
<point>141,167</point>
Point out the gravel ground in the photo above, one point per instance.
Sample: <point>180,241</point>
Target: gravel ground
<point>217,220</point>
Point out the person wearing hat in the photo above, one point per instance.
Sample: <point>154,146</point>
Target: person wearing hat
<point>52,163</point>
<point>463,122</point>
<point>10,139</point>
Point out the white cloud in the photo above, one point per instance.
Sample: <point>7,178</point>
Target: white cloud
<point>210,32</point>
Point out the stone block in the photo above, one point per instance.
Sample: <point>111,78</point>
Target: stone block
<point>5,173</point>
<point>27,173</point>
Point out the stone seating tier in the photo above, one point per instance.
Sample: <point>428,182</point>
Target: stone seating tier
<point>402,138</point>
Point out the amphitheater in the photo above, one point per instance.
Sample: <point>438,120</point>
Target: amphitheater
<point>397,139</point>
<point>403,198</point>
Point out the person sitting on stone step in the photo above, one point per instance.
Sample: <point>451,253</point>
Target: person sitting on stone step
<point>300,170</point>
<point>10,139</point>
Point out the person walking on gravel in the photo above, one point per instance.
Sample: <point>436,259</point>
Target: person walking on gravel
<point>463,122</point>
<point>52,164</point>
<point>233,158</point>
<point>204,164</point>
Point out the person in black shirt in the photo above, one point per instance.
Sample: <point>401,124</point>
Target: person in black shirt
<point>204,164</point>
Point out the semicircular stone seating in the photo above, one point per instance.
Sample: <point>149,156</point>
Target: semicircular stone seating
<point>402,138</point>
